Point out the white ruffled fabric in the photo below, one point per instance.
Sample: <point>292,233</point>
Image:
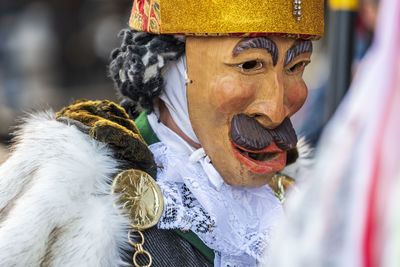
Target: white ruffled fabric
<point>235,222</point>
<point>174,96</point>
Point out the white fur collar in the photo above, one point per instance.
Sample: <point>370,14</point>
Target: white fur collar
<point>55,206</point>
<point>304,162</point>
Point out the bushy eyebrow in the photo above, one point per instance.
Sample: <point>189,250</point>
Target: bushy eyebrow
<point>257,42</point>
<point>300,47</point>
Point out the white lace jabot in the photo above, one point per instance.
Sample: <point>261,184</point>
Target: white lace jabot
<point>235,222</point>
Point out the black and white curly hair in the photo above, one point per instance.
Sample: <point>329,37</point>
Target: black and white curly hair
<point>138,66</point>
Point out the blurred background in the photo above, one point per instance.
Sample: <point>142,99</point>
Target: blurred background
<point>56,51</point>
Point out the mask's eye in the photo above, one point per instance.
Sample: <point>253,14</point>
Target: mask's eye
<point>251,65</point>
<point>299,67</point>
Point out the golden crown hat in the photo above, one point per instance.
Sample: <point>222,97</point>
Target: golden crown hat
<point>295,18</point>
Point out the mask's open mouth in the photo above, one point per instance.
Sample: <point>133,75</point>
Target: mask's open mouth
<point>269,159</point>
<point>259,149</point>
<point>258,156</point>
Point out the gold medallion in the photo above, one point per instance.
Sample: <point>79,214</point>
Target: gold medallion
<point>140,197</point>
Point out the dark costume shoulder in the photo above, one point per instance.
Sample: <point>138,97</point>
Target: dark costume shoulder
<point>169,249</point>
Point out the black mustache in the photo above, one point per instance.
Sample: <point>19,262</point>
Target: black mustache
<point>248,133</point>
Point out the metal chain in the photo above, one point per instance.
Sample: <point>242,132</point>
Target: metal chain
<point>139,249</point>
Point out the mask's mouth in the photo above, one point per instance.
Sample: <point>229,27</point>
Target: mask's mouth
<point>259,156</point>
<point>262,155</point>
<point>259,149</point>
<point>267,160</point>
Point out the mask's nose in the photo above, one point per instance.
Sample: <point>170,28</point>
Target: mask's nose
<point>269,107</point>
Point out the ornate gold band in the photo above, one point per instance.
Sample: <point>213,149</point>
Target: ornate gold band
<point>232,17</point>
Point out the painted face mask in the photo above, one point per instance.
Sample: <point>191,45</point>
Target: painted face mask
<point>242,94</point>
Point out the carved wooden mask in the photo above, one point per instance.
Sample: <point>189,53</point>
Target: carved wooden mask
<point>242,93</point>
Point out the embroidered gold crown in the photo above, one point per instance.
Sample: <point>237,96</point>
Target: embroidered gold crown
<point>230,17</point>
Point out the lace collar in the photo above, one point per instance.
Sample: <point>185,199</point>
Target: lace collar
<point>237,223</point>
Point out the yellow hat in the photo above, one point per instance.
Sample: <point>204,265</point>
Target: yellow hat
<point>230,17</point>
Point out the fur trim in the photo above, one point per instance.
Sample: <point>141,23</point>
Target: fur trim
<point>3,153</point>
<point>304,162</point>
<point>54,199</point>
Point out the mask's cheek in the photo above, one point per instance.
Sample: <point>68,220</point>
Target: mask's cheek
<point>296,95</point>
<point>231,95</point>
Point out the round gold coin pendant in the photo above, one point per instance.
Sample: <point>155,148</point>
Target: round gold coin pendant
<point>140,198</point>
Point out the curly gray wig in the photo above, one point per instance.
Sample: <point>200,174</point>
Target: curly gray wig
<point>137,67</point>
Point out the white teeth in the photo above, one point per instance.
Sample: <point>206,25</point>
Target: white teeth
<point>246,153</point>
